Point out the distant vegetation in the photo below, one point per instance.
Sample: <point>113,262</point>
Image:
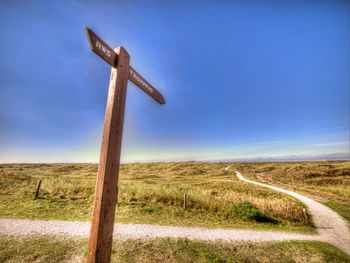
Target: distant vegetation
<point>153,193</point>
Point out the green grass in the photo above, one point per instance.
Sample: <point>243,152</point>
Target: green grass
<point>341,209</point>
<point>148,193</point>
<point>183,250</point>
<point>64,249</point>
<point>43,248</point>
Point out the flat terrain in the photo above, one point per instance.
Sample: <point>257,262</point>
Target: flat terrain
<point>151,193</point>
<point>65,249</point>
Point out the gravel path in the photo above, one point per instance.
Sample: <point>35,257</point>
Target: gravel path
<point>330,227</point>
<point>123,231</point>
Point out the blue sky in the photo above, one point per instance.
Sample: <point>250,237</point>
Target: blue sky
<point>241,79</point>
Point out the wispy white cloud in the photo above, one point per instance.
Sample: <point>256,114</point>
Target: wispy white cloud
<point>340,143</point>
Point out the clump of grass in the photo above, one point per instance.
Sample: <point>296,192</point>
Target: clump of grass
<point>246,210</point>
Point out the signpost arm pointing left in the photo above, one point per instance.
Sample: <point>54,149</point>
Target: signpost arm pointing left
<point>98,46</point>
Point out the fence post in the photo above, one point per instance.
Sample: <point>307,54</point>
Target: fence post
<point>185,201</point>
<point>305,215</point>
<point>37,189</point>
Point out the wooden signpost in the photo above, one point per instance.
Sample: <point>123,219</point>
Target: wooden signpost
<point>106,191</point>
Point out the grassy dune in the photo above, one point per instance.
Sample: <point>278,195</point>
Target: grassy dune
<point>150,193</point>
<point>167,250</point>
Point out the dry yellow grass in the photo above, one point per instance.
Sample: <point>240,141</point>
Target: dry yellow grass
<point>148,193</point>
<point>330,178</point>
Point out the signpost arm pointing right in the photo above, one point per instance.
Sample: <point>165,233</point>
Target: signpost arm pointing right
<point>143,84</point>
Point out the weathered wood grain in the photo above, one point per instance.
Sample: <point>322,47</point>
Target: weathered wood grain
<point>100,242</point>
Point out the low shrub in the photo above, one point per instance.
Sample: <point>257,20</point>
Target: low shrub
<point>246,210</point>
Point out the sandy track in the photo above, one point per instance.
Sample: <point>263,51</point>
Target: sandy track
<point>330,227</point>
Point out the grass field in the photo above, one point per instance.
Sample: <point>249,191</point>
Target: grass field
<point>54,249</point>
<point>150,193</point>
<point>327,182</point>
<point>166,250</point>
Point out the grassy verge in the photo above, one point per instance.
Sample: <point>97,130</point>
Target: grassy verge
<point>341,209</point>
<point>149,193</point>
<point>63,249</point>
<point>40,249</point>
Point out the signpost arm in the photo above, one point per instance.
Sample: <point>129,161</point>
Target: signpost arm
<point>101,233</point>
<point>139,81</point>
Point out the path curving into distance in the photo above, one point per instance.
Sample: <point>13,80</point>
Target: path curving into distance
<point>331,228</point>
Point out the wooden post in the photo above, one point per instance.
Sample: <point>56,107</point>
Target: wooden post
<point>101,233</point>
<point>305,215</point>
<point>37,189</point>
<point>106,191</point>
<point>185,201</point>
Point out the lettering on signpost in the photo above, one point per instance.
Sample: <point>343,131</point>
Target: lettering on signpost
<point>98,46</point>
<point>139,81</point>
<point>133,75</point>
<point>103,48</point>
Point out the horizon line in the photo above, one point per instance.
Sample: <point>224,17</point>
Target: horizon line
<point>290,158</point>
